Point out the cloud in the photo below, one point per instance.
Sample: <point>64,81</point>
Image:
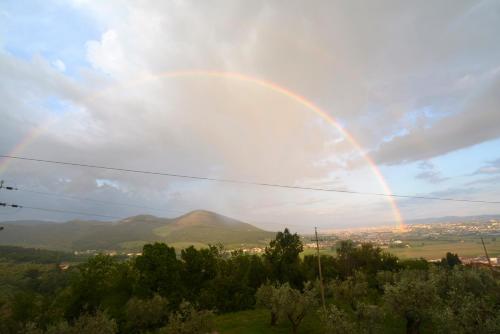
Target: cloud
<point>429,173</point>
<point>477,122</point>
<point>368,68</point>
<point>406,90</point>
<point>491,167</point>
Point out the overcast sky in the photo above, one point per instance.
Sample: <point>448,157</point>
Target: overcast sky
<point>417,84</point>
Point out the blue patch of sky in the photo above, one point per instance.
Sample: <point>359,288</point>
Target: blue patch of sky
<point>53,29</point>
<point>428,114</point>
<point>57,106</point>
<point>106,182</point>
<point>424,117</point>
<point>458,166</point>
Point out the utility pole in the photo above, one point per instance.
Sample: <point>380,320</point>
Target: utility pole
<point>486,253</point>
<point>4,187</point>
<point>7,205</point>
<point>319,269</point>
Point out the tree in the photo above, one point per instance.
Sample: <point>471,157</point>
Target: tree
<point>352,290</point>
<point>296,304</point>
<point>159,272</point>
<point>198,268</point>
<point>230,290</point>
<point>100,282</point>
<point>369,318</point>
<point>146,314</point>
<point>470,300</point>
<point>282,256</point>
<point>268,296</point>
<point>285,301</point>
<point>450,260</point>
<point>365,258</point>
<point>412,297</point>
<point>328,267</point>
<point>189,321</point>
<point>86,324</point>
<point>337,321</point>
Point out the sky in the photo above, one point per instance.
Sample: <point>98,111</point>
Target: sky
<point>232,89</point>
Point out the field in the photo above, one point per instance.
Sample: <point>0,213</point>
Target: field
<point>435,249</point>
<point>257,321</point>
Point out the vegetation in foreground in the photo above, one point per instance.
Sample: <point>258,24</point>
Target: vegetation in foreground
<point>207,290</point>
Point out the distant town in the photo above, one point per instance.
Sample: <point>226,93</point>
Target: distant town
<point>417,235</point>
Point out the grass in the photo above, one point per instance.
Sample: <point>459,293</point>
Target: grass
<point>257,321</point>
<point>438,249</point>
<point>435,249</point>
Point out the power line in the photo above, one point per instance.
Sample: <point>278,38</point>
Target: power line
<point>88,199</point>
<point>71,197</point>
<point>263,184</point>
<point>57,210</point>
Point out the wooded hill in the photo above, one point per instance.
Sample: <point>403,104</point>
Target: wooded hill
<point>198,228</point>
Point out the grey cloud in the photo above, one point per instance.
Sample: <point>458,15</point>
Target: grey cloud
<point>492,167</point>
<point>479,121</point>
<point>429,173</point>
<point>347,57</point>
<point>367,64</point>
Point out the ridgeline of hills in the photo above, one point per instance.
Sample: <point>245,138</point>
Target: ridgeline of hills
<point>198,228</point>
<point>453,219</point>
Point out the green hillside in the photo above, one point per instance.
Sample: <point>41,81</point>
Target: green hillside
<point>198,228</point>
<point>205,227</point>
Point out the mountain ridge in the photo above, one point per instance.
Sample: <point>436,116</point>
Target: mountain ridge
<point>199,228</point>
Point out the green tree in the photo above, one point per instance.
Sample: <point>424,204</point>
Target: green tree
<point>268,296</point>
<point>365,257</point>
<point>450,260</point>
<point>145,314</point>
<point>337,321</point>
<point>198,268</point>
<point>351,291</point>
<point>282,256</point>
<point>470,300</point>
<point>296,304</point>
<point>328,268</point>
<point>101,282</point>
<point>189,321</point>
<point>369,318</point>
<point>86,324</point>
<point>412,297</point>
<point>159,272</point>
<point>230,290</point>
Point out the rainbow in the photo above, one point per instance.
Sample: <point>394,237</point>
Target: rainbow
<point>25,142</point>
<point>274,87</point>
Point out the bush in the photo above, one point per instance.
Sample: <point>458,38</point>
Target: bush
<point>336,321</point>
<point>189,321</point>
<point>146,314</point>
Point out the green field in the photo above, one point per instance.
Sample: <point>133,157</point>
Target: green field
<point>257,321</point>
<point>435,249</point>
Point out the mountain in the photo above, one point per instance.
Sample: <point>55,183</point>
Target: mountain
<point>198,228</point>
<point>203,227</point>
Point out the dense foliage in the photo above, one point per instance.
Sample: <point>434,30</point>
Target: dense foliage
<point>162,291</point>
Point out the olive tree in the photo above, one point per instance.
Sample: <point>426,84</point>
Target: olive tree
<point>413,297</point>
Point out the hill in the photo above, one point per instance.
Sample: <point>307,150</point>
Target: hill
<point>453,219</point>
<point>205,227</point>
<point>198,228</point>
